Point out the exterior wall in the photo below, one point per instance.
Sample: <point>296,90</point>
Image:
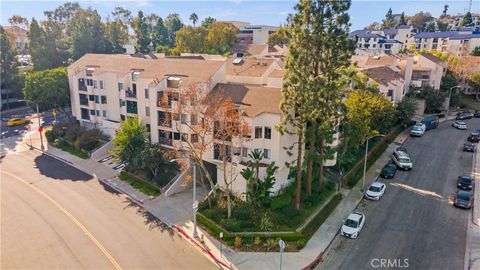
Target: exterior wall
<point>436,71</point>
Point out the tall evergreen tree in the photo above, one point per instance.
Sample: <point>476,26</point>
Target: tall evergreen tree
<point>467,20</point>
<point>87,33</point>
<point>8,62</point>
<point>115,37</point>
<point>173,23</point>
<point>389,22</point>
<point>37,46</point>
<point>208,21</point>
<point>402,21</point>
<point>194,18</point>
<point>430,27</point>
<point>160,34</point>
<point>141,32</point>
<point>319,50</point>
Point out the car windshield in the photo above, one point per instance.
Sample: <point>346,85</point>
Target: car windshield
<point>465,180</point>
<point>374,189</point>
<point>417,128</point>
<point>351,223</point>
<point>404,159</point>
<point>463,195</point>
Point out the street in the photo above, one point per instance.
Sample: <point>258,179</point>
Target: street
<point>414,225</point>
<point>56,217</point>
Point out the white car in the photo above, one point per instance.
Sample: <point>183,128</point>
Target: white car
<point>353,225</point>
<point>402,160</point>
<point>459,125</point>
<point>418,130</point>
<point>375,191</point>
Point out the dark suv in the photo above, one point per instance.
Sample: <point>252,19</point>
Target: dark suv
<point>474,137</point>
<point>465,182</point>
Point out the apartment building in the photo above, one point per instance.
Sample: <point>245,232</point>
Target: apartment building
<point>455,21</point>
<point>106,89</point>
<point>459,43</point>
<point>389,41</point>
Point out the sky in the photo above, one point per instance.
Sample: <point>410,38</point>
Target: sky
<point>362,12</point>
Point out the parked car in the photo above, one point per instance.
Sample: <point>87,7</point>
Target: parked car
<point>459,125</point>
<point>476,114</point>
<point>474,137</point>
<point>465,182</point>
<point>464,115</point>
<point>402,149</point>
<point>375,191</point>
<point>431,122</point>
<point>463,199</point>
<point>353,225</point>
<point>418,130</point>
<point>402,160</point>
<point>17,121</point>
<point>389,170</point>
<point>469,147</point>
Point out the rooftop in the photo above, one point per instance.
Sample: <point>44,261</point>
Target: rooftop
<point>253,100</point>
<point>248,67</point>
<point>383,75</point>
<point>277,73</point>
<point>191,70</point>
<point>433,58</point>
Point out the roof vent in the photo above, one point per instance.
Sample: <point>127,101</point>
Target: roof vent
<point>237,61</point>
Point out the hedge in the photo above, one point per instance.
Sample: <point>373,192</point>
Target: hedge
<point>141,185</point>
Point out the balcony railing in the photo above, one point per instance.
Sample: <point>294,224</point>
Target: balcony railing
<point>84,101</point>
<point>131,94</point>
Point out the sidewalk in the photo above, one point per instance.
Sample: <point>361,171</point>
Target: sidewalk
<point>176,212</point>
<point>472,253</point>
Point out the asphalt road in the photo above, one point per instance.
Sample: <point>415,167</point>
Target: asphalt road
<point>56,217</point>
<point>414,225</point>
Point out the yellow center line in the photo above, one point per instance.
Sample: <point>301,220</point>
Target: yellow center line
<point>69,215</point>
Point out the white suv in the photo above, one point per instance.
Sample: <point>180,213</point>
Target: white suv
<point>402,160</point>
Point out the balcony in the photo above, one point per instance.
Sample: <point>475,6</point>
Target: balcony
<point>130,94</point>
<point>165,141</point>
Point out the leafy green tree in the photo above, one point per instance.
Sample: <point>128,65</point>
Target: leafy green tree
<point>191,39</point>
<point>402,21</point>
<point>430,27</point>
<point>208,21</point>
<point>467,20</point>
<point>194,18</point>
<point>41,49</point>
<point>448,81</point>
<point>115,37</point>
<point>141,33</point>
<point>173,23</point>
<point>129,143</point>
<point>63,14</point>
<point>258,190</point>
<point>474,82</point>
<point>476,51</point>
<point>155,158</point>
<point>420,20</point>
<point>319,50</point>
<point>124,16</point>
<point>160,34</point>
<point>221,37</point>
<point>442,26</point>
<point>433,99</point>
<point>279,37</point>
<point>48,88</point>
<point>9,73</point>
<point>388,22</point>
<point>86,33</point>
<point>406,109</point>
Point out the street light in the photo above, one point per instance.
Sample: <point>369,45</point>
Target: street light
<point>195,203</point>
<point>39,124</point>
<point>365,161</point>
<point>449,96</point>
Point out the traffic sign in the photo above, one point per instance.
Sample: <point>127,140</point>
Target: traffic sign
<point>40,129</point>
<point>195,205</point>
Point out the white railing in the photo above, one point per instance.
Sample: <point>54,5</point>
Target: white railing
<point>176,183</point>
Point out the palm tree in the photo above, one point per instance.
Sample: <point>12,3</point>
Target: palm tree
<point>194,18</point>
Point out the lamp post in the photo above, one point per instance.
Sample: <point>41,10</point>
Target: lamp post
<point>42,147</point>
<point>449,96</point>
<point>366,156</point>
<point>195,202</point>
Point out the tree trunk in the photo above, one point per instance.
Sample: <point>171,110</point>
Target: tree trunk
<point>320,171</point>
<point>298,176</point>
<point>209,177</point>
<point>311,152</point>
<point>227,185</point>
<point>202,181</point>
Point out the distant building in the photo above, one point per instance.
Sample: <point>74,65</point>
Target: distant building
<point>389,41</point>
<point>460,43</point>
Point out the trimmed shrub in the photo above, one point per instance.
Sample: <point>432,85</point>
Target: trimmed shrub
<point>301,243</point>
<point>289,211</point>
<point>232,224</point>
<point>88,140</point>
<point>49,136</point>
<point>281,201</point>
<point>310,229</point>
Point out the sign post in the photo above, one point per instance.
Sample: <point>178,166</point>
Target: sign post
<point>281,243</point>
<point>221,244</point>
